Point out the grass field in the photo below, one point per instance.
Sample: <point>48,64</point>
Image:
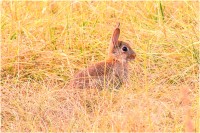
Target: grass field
<point>43,44</point>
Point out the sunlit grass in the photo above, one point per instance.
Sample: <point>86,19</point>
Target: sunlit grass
<point>45,43</point>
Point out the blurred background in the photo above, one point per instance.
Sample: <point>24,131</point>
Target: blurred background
<point>44,43</point>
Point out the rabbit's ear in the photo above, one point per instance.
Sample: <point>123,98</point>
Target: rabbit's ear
<point>115,36</point>
<point>114,40</point>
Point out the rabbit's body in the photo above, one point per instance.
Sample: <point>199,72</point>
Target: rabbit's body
<point>110,73</point>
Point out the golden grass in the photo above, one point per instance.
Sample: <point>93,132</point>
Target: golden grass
<point>45,43</point>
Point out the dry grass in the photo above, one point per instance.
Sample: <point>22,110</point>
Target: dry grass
<point>45,43</point>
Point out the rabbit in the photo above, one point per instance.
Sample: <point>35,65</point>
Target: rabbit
<point>111,73</point>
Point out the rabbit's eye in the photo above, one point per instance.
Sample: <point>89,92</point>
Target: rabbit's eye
<point>124,48</point>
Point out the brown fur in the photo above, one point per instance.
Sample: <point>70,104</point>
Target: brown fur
<point>110,73</point>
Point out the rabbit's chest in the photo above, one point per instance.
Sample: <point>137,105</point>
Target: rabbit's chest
<point>120,71</point>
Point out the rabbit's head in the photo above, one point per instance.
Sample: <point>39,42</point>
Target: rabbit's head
<point>120,50</point>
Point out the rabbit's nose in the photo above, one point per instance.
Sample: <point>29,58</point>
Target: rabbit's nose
<point>133,56</point>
